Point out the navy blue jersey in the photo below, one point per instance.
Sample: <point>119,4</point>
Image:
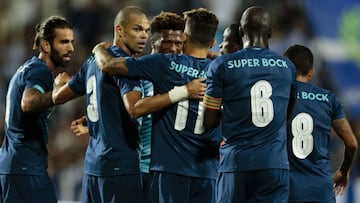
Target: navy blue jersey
<point>113,140</point>
<point>254,85</point>
<point>308,140</point>
<point>24,147</point>
<point>179,143</point>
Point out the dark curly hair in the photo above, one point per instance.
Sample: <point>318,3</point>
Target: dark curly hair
<point>167,21</point>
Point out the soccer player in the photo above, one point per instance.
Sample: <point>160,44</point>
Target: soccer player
<point>23,155</point>
<point>315,112</point>
<point>166,37</point>
<point>249,91</point>
<point>232,41</point>
<point>182,152</point>
<point>111,168</point>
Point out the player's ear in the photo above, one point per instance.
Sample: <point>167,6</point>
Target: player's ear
<point>152,43</point>
<point>241,31</point>
<point>310,74</point>
<point>45,46</point>
<point>213,43</point>
<point>118,29</point>
<point>184,37</point>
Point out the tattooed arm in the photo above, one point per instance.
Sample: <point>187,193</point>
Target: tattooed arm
<point>115,66</point>
<point>344,131</point>
<point>34,101</point>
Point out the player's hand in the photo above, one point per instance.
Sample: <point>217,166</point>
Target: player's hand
<point>102,56</point>
<point>61,79</point>
<point>340,182</point>
<point>79,126</point>
<point>102,45</point>
<point>196,88</point>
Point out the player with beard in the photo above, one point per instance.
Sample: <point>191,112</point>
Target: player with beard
<point>23,155</point>
<point>111,168</point>
<point>167,30</point>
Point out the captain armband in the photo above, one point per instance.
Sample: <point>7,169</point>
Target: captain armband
<point>212,102</point>
<point>178,93</point>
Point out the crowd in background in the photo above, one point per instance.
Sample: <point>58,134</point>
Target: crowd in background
<point>93,23</point>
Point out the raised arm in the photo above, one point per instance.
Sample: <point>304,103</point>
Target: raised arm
<point>193,90</point>
<point>62,92</point>
<point>115,66</point>
<point>344,131</point>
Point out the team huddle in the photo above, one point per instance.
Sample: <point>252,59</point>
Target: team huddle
<point>182,124</point>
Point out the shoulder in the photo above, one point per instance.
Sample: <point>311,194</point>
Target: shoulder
<point>35,66</point>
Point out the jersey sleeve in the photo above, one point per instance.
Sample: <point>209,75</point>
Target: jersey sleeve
<point>338,111</point>
<point>77,82</point>
<point>40,79</point>
<point>127,85</point>
<point>214,79</point>
<point>148,67</point>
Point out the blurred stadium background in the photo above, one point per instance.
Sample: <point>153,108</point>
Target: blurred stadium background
<point>330,28</point>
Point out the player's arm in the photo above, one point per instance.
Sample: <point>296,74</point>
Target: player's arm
<point>115,66</point>
<point>212,111</point>
<point>344,131</point>
<point>34,101</point>
<point>62,92</point>
<point>141,107</point>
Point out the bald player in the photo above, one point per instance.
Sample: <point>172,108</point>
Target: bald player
<point>111,168</point>
<point>249,92</point>
<point>182,152</point>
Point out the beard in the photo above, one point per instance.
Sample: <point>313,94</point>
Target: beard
<point>57,59</point>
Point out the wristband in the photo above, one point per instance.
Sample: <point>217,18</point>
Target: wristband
<point>178,93</point>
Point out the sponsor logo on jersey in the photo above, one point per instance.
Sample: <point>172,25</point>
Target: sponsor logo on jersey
<point>190,71</point>
<point>312,96</point>
<point>255,62</point>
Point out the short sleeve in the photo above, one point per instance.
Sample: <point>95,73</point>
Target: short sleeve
<point>214,78</point>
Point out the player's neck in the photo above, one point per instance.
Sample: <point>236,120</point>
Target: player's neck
<point>46,58</point>
<point>121,45</point>
<point>303,79</point>
<point>256,41</point>
<point>195,51</point>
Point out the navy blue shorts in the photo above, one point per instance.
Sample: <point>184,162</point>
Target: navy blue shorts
<point>147,181</point>
<point>26,188</point>
<point>175,188</point>
<point>112,189</point>
<point>267,186</point>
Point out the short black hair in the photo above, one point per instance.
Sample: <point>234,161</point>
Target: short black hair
<point>235,33</point>
<point>302,58</point>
